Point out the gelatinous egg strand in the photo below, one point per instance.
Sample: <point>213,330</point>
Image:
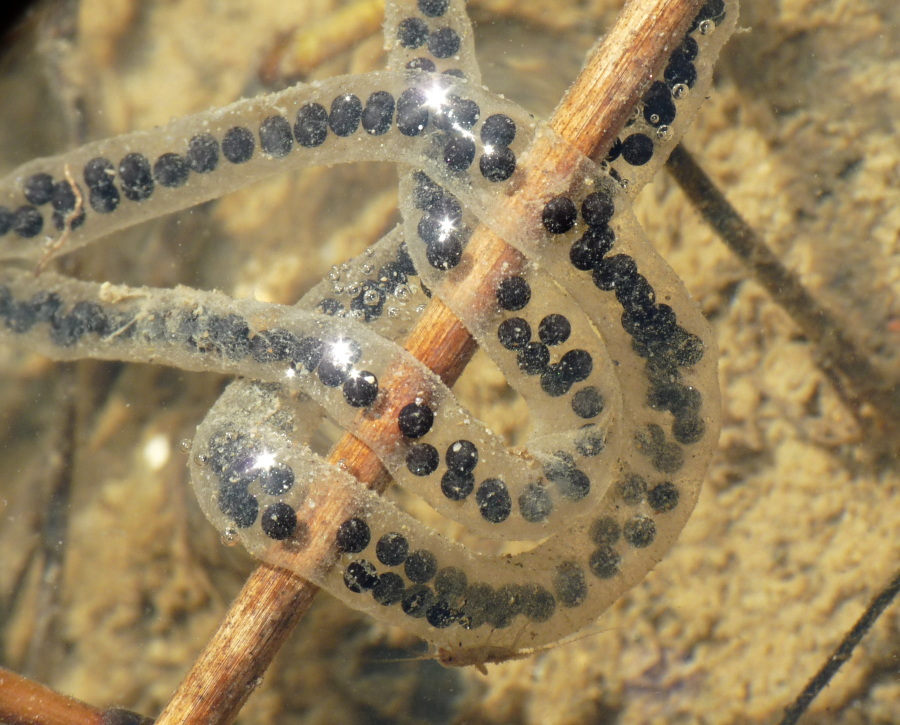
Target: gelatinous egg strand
<point>592,328</point>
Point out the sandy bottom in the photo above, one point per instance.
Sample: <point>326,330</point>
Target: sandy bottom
<point>796,528</point>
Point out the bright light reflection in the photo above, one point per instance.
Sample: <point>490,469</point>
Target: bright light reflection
<point>462,131</point>
<point>446,228</point>
<point>436,97</point>
<point>341,352</point>
<point>265,460</point>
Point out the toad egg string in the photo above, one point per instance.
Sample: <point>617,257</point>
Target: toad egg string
<point>595,332</point>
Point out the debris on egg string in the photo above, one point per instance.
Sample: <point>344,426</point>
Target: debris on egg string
<point>379,287</point>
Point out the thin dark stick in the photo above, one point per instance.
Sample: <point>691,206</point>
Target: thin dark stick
<point>843,652</point>
<point>837,348</point>
<point>54,534</point>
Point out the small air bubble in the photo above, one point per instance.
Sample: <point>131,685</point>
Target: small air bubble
<point>334,274</point>
<point>370,251</point>
<point>706,27</point>
<point>393,312</point>
<point>353,289</point>
<point>664,133</point>
<point>368,269</point>
<point>229,537</point>
<point>680,90</point>
<point>420,309</point>
<point>184,445</point>
<point>402,292</point>
<point>371,297</point>
<point>337,289</point>
<point>201,459</point>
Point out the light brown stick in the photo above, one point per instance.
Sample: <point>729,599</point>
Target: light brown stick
<point>590,117</point>
<point>25,702</point>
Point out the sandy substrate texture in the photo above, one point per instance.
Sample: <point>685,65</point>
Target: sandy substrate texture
<point>796,528</point>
